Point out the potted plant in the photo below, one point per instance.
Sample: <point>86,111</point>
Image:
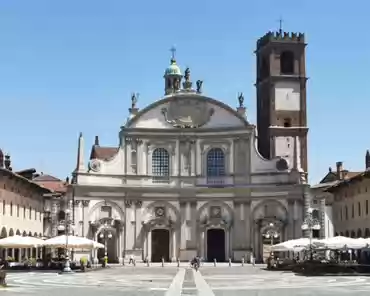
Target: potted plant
<point>83,263</point>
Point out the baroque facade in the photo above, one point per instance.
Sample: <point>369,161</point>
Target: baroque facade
<point>187,178</point>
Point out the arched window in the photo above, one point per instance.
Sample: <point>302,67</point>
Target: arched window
<point>359,209</point>
<point>215,163</point>
<point>11,209</point>
<point>367,232</point>
<point>346,212</point>
<point>359,233</point>
<point>160,165</point>
<point>287,62</point>
<point>264,68</point>
<point>353,234</point>
<point>347,233</point>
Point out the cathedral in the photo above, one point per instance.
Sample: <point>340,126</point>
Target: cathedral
<point>191,175</point>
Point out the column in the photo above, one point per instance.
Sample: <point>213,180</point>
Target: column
<point>54,218</point>
<point>85,208</point>
<point>183,213</point>
<point>149,244</point>
<point>177,157</point>
<point>202,244</point>
<point>174,255</point>
<point>138,221</point>
<point>290,219</point>
<point>198,158</point>
<point>120,250</point>
<point>307,204</point>
<point>322,218</point>
<point>128,226</point>
<point>247,221</point>
<point>192,159</point>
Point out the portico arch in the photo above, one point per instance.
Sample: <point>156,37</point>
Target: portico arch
<point>214,221</point>
<point>104,221</point>
<point>269,216</point>
<point>3,233</point>
<point>161,223</point>
<point>112,204</point>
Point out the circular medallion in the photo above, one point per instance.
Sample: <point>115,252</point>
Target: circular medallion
<point>160,212</point>
<point>94,165</point>
<point>282,164</point>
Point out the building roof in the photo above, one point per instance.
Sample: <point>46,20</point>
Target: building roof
<point>52,183</point>
<point>351,177</point>
<point>7,172</point>
<point>103,153</point>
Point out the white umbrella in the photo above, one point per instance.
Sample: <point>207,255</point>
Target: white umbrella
<point>72,242</point>
<point>296,245</point>
<point>341,242</point>
<point>17,241</point>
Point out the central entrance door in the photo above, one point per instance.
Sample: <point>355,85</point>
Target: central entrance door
<point>160,245</point>
<point>216,245</point>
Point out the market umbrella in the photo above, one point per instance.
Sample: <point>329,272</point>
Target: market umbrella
<point>72,242</point>
<point>17,241</point>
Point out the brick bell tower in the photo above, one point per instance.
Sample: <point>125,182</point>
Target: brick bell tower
<point>281,97</point>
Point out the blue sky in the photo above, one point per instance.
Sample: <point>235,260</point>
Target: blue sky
<point>70,66</point>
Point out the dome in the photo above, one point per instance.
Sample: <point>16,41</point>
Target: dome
<point>173,69</point>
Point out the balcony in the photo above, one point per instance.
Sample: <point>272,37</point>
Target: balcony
<point>215,181</point>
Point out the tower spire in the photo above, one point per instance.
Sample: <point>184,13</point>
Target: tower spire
<point>80,167</point>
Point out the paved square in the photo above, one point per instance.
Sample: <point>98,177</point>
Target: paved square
<point>173,281</point>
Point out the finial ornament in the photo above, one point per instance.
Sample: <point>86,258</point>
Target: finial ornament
<point>199,86</point>
<point>173,51</point>
<point>241,99</point>
<point>280,25</point>
<point>134,98</point>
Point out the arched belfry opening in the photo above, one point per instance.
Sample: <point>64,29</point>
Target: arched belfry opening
<point>287,62</point>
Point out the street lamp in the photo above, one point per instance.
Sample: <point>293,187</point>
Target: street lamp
<point>310,223</point>
<point>66,227</point>
<point>271,233</point>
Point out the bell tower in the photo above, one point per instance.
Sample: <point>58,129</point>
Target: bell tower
<point>281,97</point>
<point>172,76</point>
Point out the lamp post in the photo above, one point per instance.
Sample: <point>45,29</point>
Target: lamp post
<point>67,226</point>
<point>310,224</point>
<point>271,233</point>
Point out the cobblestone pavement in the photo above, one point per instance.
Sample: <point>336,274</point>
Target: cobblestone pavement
<point>183,281</point>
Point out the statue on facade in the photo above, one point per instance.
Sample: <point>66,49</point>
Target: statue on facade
<point>199,86</point>
<point>133,100</point>
<point>187,83</point>
<point>241,100</point>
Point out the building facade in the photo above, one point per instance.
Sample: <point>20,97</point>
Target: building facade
<point>351,194</point>
<point>187,178</point>
<point>21,208</point>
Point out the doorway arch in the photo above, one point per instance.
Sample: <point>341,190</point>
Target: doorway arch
<point>160,245</point>
<point>216,244</point>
